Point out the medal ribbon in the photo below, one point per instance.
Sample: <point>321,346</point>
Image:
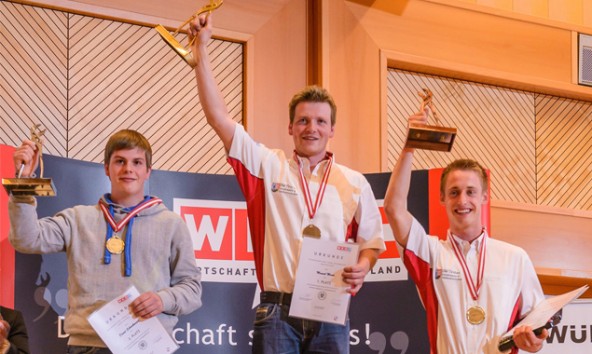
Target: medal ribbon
<point>312,209</point>
<point>113,226</point>
<point>133,212</point>
<point>473,288</point>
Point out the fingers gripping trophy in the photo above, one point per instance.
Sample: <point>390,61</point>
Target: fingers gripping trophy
<point>185,52</point>
<point>430,137</point>
<point>31,186</point>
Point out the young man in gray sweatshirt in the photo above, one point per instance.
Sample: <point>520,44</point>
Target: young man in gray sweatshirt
<point>125,239</point>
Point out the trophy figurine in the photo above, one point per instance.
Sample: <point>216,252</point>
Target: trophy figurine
<point>430,137</point>
<point>185,52</point>
<point>40,187</point>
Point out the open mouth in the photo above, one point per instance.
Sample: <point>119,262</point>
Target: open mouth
<point>463,211</point>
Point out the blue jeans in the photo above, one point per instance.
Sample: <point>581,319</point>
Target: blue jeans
<point>74,349</point>
<point>277,333</point>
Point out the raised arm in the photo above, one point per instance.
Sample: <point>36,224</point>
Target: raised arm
<point>209,94</point>
<point>395,200</point>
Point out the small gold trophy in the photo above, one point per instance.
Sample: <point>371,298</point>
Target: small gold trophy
<point>40,187</point>
<point>430,137</point>
<point>169,38</point>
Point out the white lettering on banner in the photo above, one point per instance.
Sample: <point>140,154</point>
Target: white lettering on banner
<point>377,340</point>
<point>573,334</point>
<point>206,228</point>
<point>224,253</point>
<point>61,332</point>
<point>223,335</point>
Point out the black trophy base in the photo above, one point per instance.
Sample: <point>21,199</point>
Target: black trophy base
<point>39,187</point>
<point>429,137</point>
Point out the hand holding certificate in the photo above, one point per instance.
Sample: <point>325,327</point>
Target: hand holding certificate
<point>544,315</point>
<point>124,333</point>
<point>319,292</point>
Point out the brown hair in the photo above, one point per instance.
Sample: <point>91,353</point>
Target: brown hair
<point>128,139</point>
<point>465,165</point>
<point>313,94</point>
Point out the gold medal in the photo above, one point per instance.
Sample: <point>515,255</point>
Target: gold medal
<point>115,245</point>
<point>311,231</point>
<point>476,315</point>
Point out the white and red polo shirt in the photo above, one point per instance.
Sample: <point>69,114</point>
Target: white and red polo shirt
<point>277,212</point>
<point>510,289</point>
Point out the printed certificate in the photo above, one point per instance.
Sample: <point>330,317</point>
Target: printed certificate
<point>543,311</point>
<point>545,315</point>
<point>125,334</point>
<point>319,292</point>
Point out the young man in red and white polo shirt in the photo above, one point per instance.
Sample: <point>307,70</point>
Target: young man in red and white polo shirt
<point>474,288</point>
<point>289,196</point>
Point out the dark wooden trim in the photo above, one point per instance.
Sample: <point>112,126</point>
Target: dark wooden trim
<point>314,41</point>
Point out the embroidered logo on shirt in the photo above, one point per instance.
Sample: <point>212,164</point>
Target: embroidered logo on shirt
<point>438,273</point>
<point>283,188</point>
<point>447,274</point>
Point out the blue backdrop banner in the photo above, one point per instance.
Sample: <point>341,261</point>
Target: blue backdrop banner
<point>386,316</point>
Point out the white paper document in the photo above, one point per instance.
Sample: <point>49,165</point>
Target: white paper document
<point>541,314</point>
<point>319,292</point>
<point>125,334</point>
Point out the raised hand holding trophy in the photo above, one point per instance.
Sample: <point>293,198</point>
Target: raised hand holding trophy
<point>41,187</point>
<point>430,137</point>
<point>169,38</point>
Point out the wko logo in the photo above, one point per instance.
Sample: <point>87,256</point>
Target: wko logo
<point>222,242</point>
<point>122,299</point>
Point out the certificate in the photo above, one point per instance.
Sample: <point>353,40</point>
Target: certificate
<point>543,311</point>
<point>319,292</point>
<point>123,333</point>
<point>540,316</point>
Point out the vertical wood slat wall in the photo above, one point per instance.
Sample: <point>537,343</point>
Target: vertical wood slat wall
<point>538,147</point>
<point>83,78</point>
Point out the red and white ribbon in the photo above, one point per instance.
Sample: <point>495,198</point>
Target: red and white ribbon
<point>121,224</point>
<point>312,209</point>
<point>474,287</point>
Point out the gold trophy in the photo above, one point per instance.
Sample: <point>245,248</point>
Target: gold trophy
<point>169,38</point>
<point>430,137</point>
<point>40,187</point>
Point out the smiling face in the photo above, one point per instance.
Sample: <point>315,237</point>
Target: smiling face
<point>311,130</point>
<point>463,195</point>
<point>128,171</point>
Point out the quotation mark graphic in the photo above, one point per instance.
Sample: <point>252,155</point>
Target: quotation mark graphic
<point>377,341</point>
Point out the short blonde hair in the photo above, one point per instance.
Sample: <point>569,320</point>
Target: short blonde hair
<point>464,165</point>
<point>313,94</point>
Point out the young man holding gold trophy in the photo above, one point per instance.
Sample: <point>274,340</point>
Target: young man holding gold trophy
<point>295,200</point>
<point>474,288</point>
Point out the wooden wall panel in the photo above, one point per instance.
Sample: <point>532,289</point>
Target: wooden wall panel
<point>564,152</point>
<point>124,75</point>
<point>33,75</point>
<point>495,127</point>
<point>95,76</point>
<point>538,147</point>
